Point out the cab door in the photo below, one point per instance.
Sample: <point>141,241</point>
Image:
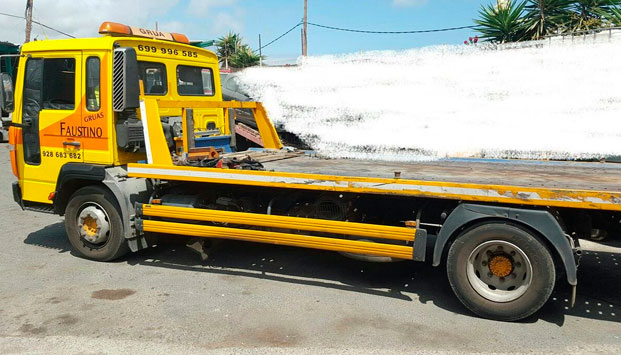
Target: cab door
<point>96,109</point>
<point>51,118</point>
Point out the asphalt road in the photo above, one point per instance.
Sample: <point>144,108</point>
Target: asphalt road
<point>257,298</point>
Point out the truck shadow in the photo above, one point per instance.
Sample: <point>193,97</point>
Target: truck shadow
<point>598,292</point>
<point>599,295</point>
<point>599,289</point>
<point>399,280</point>
<point>52,236</point>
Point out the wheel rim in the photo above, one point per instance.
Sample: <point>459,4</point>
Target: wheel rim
<point>94,224</point>
<point>499,271</point>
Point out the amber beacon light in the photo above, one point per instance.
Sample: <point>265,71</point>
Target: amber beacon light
<point>113,28</point>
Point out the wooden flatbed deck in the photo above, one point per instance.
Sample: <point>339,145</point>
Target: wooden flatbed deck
<point>556,175</point>
<point>559,184</point>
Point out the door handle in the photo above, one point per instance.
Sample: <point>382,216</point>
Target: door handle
<point>74,144</point>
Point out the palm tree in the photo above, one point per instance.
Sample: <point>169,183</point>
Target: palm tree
<point>544,17</point>
<point>244,57</point>
<point>227,46</point>
<point>590,14</point>
<point>502,22</point>
<point>614,16</point>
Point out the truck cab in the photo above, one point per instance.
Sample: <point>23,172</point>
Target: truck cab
<point>64,117</point>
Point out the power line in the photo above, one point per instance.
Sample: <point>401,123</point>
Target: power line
<point>53,29</point>
<point>9,15</point>
<point>368,31</point>
<point>38,23</point>
<point>392,32</point>
<point>281,36</point>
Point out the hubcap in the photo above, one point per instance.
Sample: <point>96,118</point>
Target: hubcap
<point>499,271</point>
<point>93,224</point>
<point>501,266</point>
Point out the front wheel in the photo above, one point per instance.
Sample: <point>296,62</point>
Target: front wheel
<point>94,225</point>
<point>500,271</point>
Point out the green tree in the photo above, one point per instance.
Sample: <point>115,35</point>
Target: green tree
<point>502,22</point>
<point>227,46</point>
<point>244,57</point>
<point>544,17</point>
<point>589,14</point>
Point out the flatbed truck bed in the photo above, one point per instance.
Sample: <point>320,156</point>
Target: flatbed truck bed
<point>542,174</point>
<point>541,183</point>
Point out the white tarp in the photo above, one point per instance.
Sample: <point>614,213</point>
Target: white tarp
<point>561,101</point>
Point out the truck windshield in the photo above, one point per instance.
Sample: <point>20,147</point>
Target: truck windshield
<point>194,81</point>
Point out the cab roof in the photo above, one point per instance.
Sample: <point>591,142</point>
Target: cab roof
<point>104,43</point>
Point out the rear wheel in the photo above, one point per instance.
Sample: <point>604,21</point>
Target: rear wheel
<point>500,271</point>
<point>94,225</point>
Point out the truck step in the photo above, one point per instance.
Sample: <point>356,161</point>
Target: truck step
<point>40,207</point>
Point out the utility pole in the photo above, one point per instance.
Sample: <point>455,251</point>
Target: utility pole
<point>304,30</point>
<point>260,55</point>
<point>156,26</point>
<point>28,16</point>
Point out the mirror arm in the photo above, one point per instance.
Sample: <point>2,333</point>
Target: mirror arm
<point>19,125</point>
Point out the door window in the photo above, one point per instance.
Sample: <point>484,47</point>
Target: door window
<point>153,76</point>
<point>31,105</point>
<point>58,84</point>
<point>92,83</point>
<point>194,81</point>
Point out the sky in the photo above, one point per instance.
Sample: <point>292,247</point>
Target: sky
<point>210,19</point>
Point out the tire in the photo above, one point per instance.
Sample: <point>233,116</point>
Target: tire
<point>501,271</point>
<point>109,245</point>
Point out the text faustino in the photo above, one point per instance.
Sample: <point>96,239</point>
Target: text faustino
<point>80,131</point>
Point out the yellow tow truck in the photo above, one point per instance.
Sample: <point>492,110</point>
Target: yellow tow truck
<point>93,139</point>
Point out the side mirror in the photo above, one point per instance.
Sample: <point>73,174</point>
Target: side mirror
<point>6,92</point>
<point>125,86</point>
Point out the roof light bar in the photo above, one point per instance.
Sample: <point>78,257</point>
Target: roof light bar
<point>179,37</point>
<point>113,28</point>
